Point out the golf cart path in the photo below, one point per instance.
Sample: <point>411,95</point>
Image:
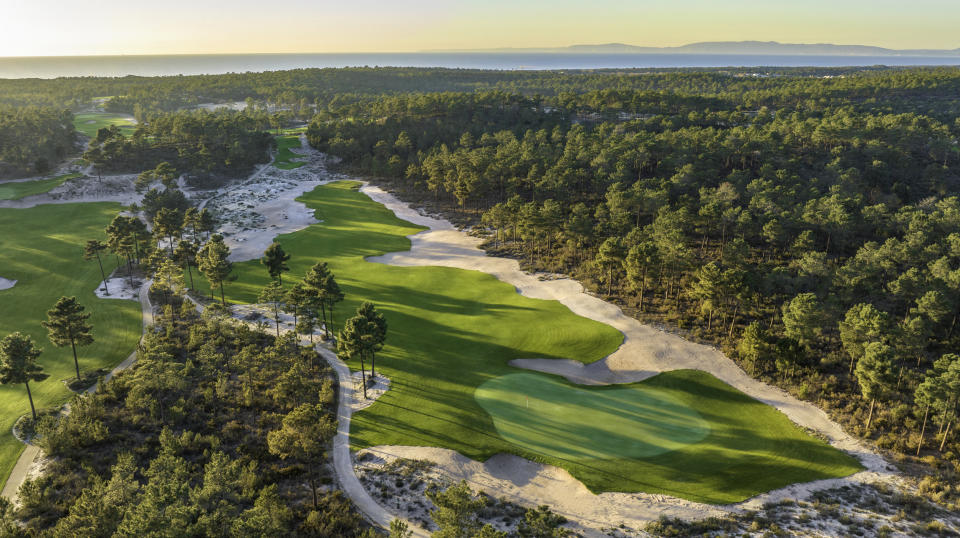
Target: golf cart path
<point>343,460</point>
<point>28,458</point>
<point>645,352</point>
<point>349,400</point>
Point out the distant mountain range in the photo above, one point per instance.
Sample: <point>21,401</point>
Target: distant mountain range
<point>732,47</point>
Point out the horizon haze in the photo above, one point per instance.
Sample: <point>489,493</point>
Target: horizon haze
<point>115,27</point>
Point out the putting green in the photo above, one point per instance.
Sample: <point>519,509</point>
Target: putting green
<point>552,417</point>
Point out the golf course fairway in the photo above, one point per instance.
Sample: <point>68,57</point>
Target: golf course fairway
<point>453,331</point>
<point>89,123</point>
<point>45,257</point>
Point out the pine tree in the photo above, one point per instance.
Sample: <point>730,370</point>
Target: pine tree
<point>303,436</point>
<point>325,293</point>
<point>375,333</point>
<point>273,295</point>
<point>275,259</point>
<point>296,300</point>
<point>214,263</point>
<point>875,373</point>
<point>18,363</point>
<point>186,255</point>
<point>92,251</point>
<point>67,325</point>
<point>350,345</point>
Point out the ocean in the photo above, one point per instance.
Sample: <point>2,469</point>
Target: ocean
<point>118,66</point>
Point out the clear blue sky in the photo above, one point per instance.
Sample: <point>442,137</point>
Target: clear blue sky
<point>64,27</point>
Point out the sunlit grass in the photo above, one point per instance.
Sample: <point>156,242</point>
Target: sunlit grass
<point>451,331</point>
<point>284,156</point>
<point>22,189</point>
<point>42,249</point>
<point>89,123</point>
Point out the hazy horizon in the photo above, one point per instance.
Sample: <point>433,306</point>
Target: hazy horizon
<point>559,48</point>
<point>39,28</point>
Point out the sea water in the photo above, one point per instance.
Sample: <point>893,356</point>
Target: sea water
<point>118,66</point>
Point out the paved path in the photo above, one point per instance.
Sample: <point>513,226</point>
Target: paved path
<point>30,454</point>
<point>342,459</point>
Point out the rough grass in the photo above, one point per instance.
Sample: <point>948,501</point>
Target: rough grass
<point>284,155</point>
<point>42,248</point>
<point>89,122</point>
<point>22,189</point>
<point>451,330</point>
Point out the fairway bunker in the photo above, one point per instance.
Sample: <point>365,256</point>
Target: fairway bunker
<point>6,283</point>
<point>553,417</point>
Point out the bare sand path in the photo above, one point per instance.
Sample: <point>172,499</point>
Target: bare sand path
<point>644,353</point>
<point>30,463</point>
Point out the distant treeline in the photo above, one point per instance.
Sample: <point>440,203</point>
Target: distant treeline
<point>34,139</point>
<point>201,144</point>
<point>316,89</point>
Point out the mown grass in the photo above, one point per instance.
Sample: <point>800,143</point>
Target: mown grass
<point>89,123</point>
<point>284,155</point>
<point>22,189</point>
<point>550,416</point>
<point>452,330</point>
<point>42,249</point>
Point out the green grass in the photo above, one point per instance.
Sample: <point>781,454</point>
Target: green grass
<point>284,155</point>
<point>22,189</point>
<point>452,331</point>
<point>88,123</point>
<point>42,249</point>
<point>548,415</point>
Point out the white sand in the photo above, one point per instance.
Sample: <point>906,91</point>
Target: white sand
<point>119,288</point>
<point>252,213</point>
<point>645,352</point>
<point>114,188</point>
<point>375,388</point>
<point>530,484</point>
<point>251,314</point>
<point>6,283</point>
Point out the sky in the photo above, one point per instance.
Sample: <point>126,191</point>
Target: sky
<point>92,27</point>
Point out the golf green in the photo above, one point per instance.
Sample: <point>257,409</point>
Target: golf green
<point>555,418</point>
<point>452,331</point>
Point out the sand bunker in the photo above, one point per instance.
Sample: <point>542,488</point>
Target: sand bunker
<point>645,352</point>
<point>119,288</point>
<point>6,283</point>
